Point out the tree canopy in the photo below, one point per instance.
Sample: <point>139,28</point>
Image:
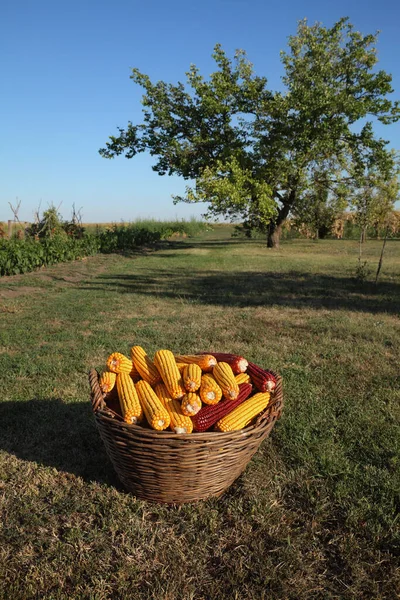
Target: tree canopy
<point>253,152</point>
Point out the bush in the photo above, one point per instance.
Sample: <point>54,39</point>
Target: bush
<point>21,256</point>
<point>119,238</point>
<point>52,243</point>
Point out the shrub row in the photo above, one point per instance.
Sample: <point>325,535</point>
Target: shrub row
<point>23,255</point>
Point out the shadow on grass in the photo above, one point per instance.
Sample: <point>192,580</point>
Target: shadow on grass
<point>56,434</point>
<point>249,288</point>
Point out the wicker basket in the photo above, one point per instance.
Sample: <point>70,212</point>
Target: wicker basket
<point>162,466</point>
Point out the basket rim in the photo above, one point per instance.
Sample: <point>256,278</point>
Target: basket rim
<point>270,414</point>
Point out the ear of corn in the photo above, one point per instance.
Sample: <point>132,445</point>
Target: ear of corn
<point>107,381</point>
<point>191,377</point>
<point>226,380</point>
<point>131,408</point>
<point>135,374</point>
<point>191,404</point>
<point>210,392</point>
<point>206,362</point>
<point>166,365</point>
<point>264,380</point>
<point>241,416</point>
<point>209,415</point>
<point>237,363</point>
<point>144,365</point>
<point>118,363</point>
<point>180,423</point>
<point>243,378</point>
<point>181,366</point>
<point>156,414</point>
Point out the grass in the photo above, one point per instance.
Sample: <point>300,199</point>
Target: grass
<point>184,227</point>
<point>314,516</point>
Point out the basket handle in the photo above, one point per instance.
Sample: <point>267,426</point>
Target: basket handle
<point>96,395</point>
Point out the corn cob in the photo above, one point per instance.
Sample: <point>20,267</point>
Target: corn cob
<point>156,414</point>
<point>226,380</point>
<point>191,404</point>
<point>181,366</point>
<point>135,374</point>
<point>206,362</point>
<point>241,416</point>
<point>130,406</point>
<point>166,365</point>
<point>107,381</point>
<point>243,378</point>
<point>118,363</point>
<point>191,377</point>
<point>237,363</point>
<point>264,380</point>
<point>145,367</point>
<point>180,423</point>
<point>210,392</point>
<point>209,415</point>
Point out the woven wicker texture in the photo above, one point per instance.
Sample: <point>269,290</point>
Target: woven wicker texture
<point>162,466</point>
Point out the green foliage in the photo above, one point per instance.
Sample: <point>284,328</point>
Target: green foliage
<point>374,197</point>
<point>253,152</point>
<point>319,208</point>
<point>48,226</point>
<point>232,190</point>
<point>126,237</point>
<point>189,227</point>
<point>121,238</point>
<point>21,256</point>
<point>362,270</point>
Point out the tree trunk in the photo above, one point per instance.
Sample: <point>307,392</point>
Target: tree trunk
<point>363,235</point>
<point>381,258</point>
<point>275,227</point>
<point>274,235</point>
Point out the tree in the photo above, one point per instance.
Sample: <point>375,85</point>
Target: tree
<point>374,199</point>
<point>319,209</point>
<point>251,151</point>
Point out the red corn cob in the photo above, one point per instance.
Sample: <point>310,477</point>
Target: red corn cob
<point>264,380</point>
<point>237,363</point>
<point>209,415</point>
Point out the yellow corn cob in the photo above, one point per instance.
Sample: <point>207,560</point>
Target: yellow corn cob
<point>166,365</point>
<point>107,381</point>
<point>242,378</point>
<point>191,404</point>
<point>241,416</point>
<point>180,423</point>
<point>118,363</point>
<point>181,366</point>
<point>145,367</point>
<point>156,414</point>
<point>206,362</point>
<point>130,406</point>
<point>135,374</point>
<point>191,377</point>
<point>226,380</point>
<point>210,392</point>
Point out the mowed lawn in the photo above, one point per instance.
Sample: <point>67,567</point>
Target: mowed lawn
<point>316,513</point>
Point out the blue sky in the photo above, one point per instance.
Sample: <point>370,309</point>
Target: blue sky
<point>65,88</point>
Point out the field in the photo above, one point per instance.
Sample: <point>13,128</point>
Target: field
<point>316,513</point>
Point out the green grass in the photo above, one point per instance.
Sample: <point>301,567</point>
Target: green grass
<point>314,516</point>
<point>183,227</point>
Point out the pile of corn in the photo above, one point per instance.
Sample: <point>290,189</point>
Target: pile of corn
<point>187,392</point>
